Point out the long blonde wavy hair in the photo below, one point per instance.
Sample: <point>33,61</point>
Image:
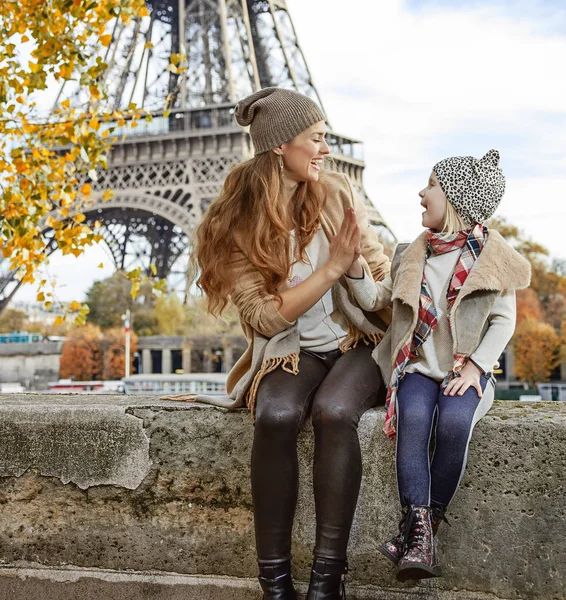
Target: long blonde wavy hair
<point>249,214</point>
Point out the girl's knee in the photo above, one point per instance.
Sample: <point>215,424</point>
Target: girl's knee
<point>454,425</point>
<point>414,414</point>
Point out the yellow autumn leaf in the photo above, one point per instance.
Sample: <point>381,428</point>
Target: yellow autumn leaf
<point>143,12</point>
<point>74,305</point>
<point>40,297</point>
<point>85,189</point>
<point>65,104</point>
<point>108,194</point>
<point>101,266</point>
<point>106,39</point>
<point>80,217</point>
<point>66,71</point>
<point>58,320</point>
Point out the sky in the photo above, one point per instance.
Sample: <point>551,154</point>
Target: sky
<point>420,80</point>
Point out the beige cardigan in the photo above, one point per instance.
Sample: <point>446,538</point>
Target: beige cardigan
<point>272,340</point>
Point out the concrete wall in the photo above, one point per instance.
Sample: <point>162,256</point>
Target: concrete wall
<point>126,497</point>
<point>33,365</point>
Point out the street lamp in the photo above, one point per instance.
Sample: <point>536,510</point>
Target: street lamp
<point>126,319</point>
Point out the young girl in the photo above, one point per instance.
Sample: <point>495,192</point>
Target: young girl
<point>453,297</point>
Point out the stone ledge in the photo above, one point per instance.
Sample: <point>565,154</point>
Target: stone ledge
<point>190,514</point>
<point>72,583</point>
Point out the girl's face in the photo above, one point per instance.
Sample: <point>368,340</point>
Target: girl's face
<point>303,155</point>
<point>434,202</point>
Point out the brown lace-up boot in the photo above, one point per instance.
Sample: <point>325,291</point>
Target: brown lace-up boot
<point>419,560</point>
<point>394,548</point>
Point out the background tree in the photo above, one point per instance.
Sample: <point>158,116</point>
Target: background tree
<point>109,299</point>
<point>113,349</point>
<point>528,305</point>
<point>539,340</point>
<point>82,355</point>
<point>536,346</point>
<point>548,277</point>
<point>12,320</point>
<point>45,190</point>
<point>171,315</point>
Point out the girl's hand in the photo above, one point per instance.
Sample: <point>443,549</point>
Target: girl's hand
<point>345,246</point>
<point>470,376</point>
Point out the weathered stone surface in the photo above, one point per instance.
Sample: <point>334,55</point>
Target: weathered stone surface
<point>88,445</point>
<point>191,514</point>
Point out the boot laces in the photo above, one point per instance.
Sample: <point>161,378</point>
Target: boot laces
<point>415,532</point>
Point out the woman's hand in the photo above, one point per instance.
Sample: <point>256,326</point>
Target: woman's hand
<point>470,377</point>
<point>345,246</point>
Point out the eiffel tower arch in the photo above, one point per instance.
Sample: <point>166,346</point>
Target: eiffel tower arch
<point>165,172</point>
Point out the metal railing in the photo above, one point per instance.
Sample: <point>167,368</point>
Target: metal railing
<point>220,117</point>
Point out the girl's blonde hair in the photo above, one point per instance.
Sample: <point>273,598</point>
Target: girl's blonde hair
<point>452,220</point>
<point>249,215</point>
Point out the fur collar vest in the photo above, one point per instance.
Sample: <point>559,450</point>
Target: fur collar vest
<point>499,268</point>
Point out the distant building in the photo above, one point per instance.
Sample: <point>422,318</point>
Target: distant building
<point>160,354</point>
<point>32,364</point>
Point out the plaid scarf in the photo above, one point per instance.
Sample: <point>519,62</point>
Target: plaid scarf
<point>471,242</point>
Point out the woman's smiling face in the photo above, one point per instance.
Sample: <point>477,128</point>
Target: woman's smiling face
<point>303,155</point>
<point>434,202</point>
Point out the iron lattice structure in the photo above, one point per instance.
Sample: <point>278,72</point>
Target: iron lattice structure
<point>165,172</point>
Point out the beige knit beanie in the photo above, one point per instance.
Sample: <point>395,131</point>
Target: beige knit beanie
<point>276,116</point>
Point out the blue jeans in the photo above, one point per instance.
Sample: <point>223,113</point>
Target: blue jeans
<point>419,401</point>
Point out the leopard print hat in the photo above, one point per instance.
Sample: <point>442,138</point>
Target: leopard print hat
<point>473,187</point>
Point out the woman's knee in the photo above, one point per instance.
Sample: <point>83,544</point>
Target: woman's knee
<point>277,418</point>
<point>333,414</point>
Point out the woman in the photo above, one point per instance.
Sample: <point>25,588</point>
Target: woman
<point>278,243</point>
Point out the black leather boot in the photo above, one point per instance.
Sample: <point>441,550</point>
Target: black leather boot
<point>327,580</point>
<point>275,580</point>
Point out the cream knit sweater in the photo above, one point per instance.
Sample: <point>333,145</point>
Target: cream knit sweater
<point>323,326</point>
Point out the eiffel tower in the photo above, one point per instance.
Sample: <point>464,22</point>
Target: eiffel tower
<point>166,172</point>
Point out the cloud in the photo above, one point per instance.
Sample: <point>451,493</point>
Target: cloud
<point>423,79</point>
<point>419,81</point>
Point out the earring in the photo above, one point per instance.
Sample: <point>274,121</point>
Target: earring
<point>281,165</point>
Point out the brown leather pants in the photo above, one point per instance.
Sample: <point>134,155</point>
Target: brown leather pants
<point>336,389</point>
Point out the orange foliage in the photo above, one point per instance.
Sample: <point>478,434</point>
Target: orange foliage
<point>528,305</point>
<point>90,355</point>
<point>536,347</point>
<point>114,352</point>
<point>81,359</point>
